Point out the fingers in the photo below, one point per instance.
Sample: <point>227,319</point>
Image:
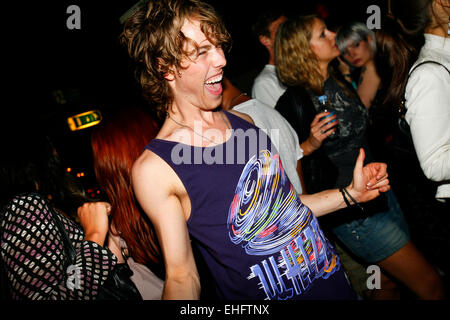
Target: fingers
<point>376,184</point>
<point>378,169</point>
<point>94,207</point>
<point>94,215</point>
<point>382,171</point>
<point>318,117</point>
<point>377,172</point>
<point>329,128</point>
<point>322,129</point>
<point>360,160</point>
<point>321,118</point>
<point>94,220</point>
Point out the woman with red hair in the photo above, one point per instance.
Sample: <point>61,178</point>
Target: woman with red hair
<point>116,143</point>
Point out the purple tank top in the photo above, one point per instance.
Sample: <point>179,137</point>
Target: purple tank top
<point>257,238</point>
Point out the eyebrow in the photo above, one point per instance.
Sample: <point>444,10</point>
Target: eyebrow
<point>205,46</point>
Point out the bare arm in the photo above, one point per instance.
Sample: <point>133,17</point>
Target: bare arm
<point>320,130</point>
<point>366,185</point>
<point>324,202</point>
<point>94,220</point>
<point>155,187</point>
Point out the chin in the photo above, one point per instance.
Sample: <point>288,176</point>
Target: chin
<point>212,105</point>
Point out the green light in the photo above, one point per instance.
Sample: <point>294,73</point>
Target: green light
<point>84,120</point>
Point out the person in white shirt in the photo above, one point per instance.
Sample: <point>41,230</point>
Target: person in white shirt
<point>267,87</point>
<point>282,135</point>
<point>417,32</point>
<point>427,98</point>
<point>428,110</point>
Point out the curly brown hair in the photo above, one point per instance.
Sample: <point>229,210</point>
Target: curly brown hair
<point>296,63</point>
<point>154,40</point>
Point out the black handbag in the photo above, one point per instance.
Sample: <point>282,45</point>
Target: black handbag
<point>118,285</point>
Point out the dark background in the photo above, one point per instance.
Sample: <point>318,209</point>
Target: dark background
<point>53,72</point>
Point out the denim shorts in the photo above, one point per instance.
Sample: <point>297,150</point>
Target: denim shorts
<point>378,236</point>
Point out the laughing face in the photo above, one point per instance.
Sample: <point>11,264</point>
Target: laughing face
<point>199,82</point>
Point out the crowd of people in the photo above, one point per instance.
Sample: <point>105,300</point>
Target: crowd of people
<point>344,143</point>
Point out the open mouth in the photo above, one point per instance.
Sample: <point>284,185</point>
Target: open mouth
<point>214,84</point>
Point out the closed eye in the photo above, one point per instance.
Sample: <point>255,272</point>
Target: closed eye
<point>204,49</point>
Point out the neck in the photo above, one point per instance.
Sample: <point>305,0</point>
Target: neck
<point>371,65</point>
<point>202,129</point>
<point>323,69</point>
<point>437,31</point>
<point>189,112</point>
<point>190,119</point>
<point>271,60</point>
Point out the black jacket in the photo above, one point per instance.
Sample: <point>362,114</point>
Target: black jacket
<point>319,173</point>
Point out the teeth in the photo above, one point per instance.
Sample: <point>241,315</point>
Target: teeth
<point>215,80</point>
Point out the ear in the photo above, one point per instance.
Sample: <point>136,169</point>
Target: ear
<point>169,76</point>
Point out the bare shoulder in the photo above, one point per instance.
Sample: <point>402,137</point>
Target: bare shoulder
<point>149,170</point>
<point>154,183</point>
<point>244,116</point>
<point>147,162</point>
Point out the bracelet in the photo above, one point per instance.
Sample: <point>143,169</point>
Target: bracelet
<point>345,193</point>
<point>237,97</point>
<point>341,190</point>
<point>355,203</point>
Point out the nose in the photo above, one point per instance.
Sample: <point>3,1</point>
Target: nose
<point>350,52</point>
<point>331,37</point>
<point>218,58</point>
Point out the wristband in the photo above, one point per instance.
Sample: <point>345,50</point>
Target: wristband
<point>345,198</point>
<point>355,203</point>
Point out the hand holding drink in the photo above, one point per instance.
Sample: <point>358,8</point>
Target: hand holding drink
<point>327,118</point>
<point>323,126</point>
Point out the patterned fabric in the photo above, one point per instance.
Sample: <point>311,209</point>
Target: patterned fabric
<point>256,237</point>
<point>353,119</point>
<point>33,253</point>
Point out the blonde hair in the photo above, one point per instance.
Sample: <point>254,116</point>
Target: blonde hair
<point>296,62</point>
<point>156,43</point>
